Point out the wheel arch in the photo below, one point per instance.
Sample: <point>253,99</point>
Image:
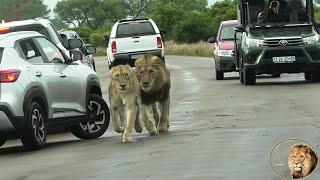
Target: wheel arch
<point>93,87</point>
<point>36,93</point>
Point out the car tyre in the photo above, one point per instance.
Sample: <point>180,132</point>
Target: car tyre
<point>35,133</point>
<point>249,77</point>
<point>99,118</point>
<point>275,75</point>
<point>219,75</point>
<point>315,76</point>
<point>307,76</point>
<point>241,77</point>
<point>3,139</point>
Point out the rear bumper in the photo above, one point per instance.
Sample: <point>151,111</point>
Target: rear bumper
<point>226,64</point>
<point>8,120</point>
<point>130,58</point>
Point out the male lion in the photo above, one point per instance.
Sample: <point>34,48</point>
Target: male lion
<point>154,79</point>
<point>124,92</point>
<point>302,161</point>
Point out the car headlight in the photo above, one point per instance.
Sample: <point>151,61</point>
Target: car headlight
<point>312,40</point>
<point>225,53</point>
<point>253,42</point>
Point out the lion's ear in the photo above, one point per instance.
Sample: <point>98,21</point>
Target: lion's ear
<point>307,150</point>
<point>111,72</point>
<point>157,61</point>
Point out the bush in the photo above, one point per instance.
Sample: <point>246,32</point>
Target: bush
<point>97,39</point>
<point>193,29</point>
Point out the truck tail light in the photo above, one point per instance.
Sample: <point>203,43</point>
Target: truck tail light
<point>159,42</point>
<point>114,47</point>
<point>4,30</point>
<point>9,76</point>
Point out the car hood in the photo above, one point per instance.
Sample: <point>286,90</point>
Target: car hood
<point>226,45</point>
<point>300,31</point>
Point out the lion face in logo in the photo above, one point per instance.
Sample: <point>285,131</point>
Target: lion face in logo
<point>302,161</point>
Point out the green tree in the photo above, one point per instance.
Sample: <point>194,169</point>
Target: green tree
<point>222,11</point>
<point>168,13</point>
<point>22,9</point>
<point>192,29</point>
<point>92,13</point>
<point>136,8</point>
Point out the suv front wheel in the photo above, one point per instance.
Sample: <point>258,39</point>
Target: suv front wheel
<point>249,77</point>
<point>3,139</point>
<point>98,121</point>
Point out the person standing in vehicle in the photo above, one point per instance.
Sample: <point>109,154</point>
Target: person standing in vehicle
<point>278,12</point>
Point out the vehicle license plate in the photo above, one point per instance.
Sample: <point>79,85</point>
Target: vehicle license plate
<point>284,59</point>
<point>135,56</point>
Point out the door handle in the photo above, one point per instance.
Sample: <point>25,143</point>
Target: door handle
<point>63,75</point>
<point>38,73</point>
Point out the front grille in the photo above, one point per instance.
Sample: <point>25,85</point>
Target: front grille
<point>282,42</point>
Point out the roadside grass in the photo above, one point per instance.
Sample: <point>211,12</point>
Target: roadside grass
<point>200,49</point>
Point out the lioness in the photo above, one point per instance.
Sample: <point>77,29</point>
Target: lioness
<point>302,161</point>
<point>154,79</point>
<point>124,92</point>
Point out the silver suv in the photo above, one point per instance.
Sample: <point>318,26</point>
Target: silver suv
<point>41,87</point>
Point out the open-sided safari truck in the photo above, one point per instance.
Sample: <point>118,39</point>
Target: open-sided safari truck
<point>277,36</point>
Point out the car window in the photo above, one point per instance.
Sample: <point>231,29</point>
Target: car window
<point>227,33</point>
<point>1,52</point>
<point>135,29</point>
<point>31,51</point>
<point>51,51</point>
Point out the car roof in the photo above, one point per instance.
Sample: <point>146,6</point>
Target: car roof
<point>43,22</point>
<point>8,40</point>
<point>229,22</point>
<point>133,20</point>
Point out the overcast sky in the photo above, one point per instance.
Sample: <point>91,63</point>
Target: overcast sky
<point>52,3</point>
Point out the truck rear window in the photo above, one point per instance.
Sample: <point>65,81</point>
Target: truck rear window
<point>135,29</point>
<point>1,52</point>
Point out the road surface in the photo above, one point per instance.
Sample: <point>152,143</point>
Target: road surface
<point>219,130</point>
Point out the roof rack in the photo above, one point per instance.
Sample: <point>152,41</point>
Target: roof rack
<point>137,19</point>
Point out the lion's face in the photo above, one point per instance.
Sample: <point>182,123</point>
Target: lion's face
<point>122,77</point>
<point>150,72</point>
<point>300,160</point>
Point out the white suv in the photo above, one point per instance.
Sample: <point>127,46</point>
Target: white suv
<point>131,38</point>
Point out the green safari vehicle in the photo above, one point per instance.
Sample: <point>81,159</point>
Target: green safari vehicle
<point>275,37</point>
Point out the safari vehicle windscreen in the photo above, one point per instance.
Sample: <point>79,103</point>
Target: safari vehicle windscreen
<point>278,12</point>
<point>135,29</point>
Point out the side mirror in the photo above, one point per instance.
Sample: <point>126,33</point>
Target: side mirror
<point>212,40</point>
<point>89,49</point>
<point>75,55</point>
<point>239,28</point>
<point>106,38</point>
<point>74,43</point>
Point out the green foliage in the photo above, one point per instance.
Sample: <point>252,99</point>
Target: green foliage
<point>22,9</point>
<point>92,13</point>
<point>222,11</point>
<point>192,29</point>
<point>97,38</point>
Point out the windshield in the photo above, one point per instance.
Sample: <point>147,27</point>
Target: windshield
<point>1,52</point>
<point>263,12</point>
<point>135,29</point>
<point>227,33</point>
